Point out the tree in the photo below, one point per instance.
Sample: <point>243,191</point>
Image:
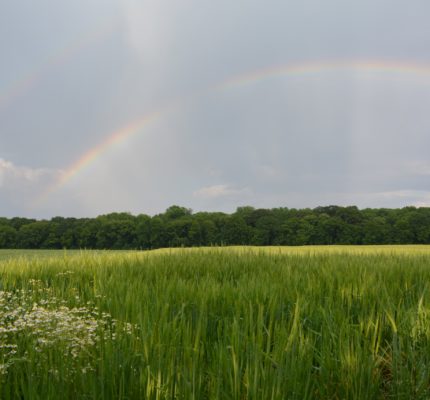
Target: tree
<point>33,235</point>
<point>237,232</point>
<point>267,230</point>
<point>175,212</point>
<point>178,226</point>
<point>202,231</point>
<point>8,236</point>
<point>143,231</point>
<point>376,231</point>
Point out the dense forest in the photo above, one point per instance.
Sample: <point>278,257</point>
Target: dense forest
<point>179,226</point>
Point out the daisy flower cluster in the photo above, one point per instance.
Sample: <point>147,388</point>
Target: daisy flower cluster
<point>39,328</point>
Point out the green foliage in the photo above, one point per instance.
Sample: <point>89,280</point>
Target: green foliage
<point>179,227</point>
<point>8,236</point>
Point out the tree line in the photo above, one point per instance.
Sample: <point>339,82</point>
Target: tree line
<point>179,226</point>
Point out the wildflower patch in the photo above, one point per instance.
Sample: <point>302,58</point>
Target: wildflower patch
<point>36,332</point>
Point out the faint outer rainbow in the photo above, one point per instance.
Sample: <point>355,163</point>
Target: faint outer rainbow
<point>59,57</point>
<point>317,67</point>
<point>247,78</point>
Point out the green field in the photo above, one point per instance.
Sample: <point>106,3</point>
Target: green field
<point>233,323</point>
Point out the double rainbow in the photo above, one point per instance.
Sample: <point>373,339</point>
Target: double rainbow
<point>391,68</point>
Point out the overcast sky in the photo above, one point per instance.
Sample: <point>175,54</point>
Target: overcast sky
<point>73,73</point>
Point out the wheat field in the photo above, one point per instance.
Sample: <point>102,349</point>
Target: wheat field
<point>339,322</point>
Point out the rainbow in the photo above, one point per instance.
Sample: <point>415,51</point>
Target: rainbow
<point>422,71</point>
<point>115,138</point>
<point>314,68</point>
<point>94,153</point>
<point>59,57</point>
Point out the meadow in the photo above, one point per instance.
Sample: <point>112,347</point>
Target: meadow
<point>337,322</point>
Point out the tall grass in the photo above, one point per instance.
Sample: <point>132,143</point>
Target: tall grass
<point>239,323</point>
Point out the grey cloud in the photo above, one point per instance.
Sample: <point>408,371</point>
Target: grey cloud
<point>13,176</point>
<point>215,191</point>
<point>336,137</point>
<point>21,186</point>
